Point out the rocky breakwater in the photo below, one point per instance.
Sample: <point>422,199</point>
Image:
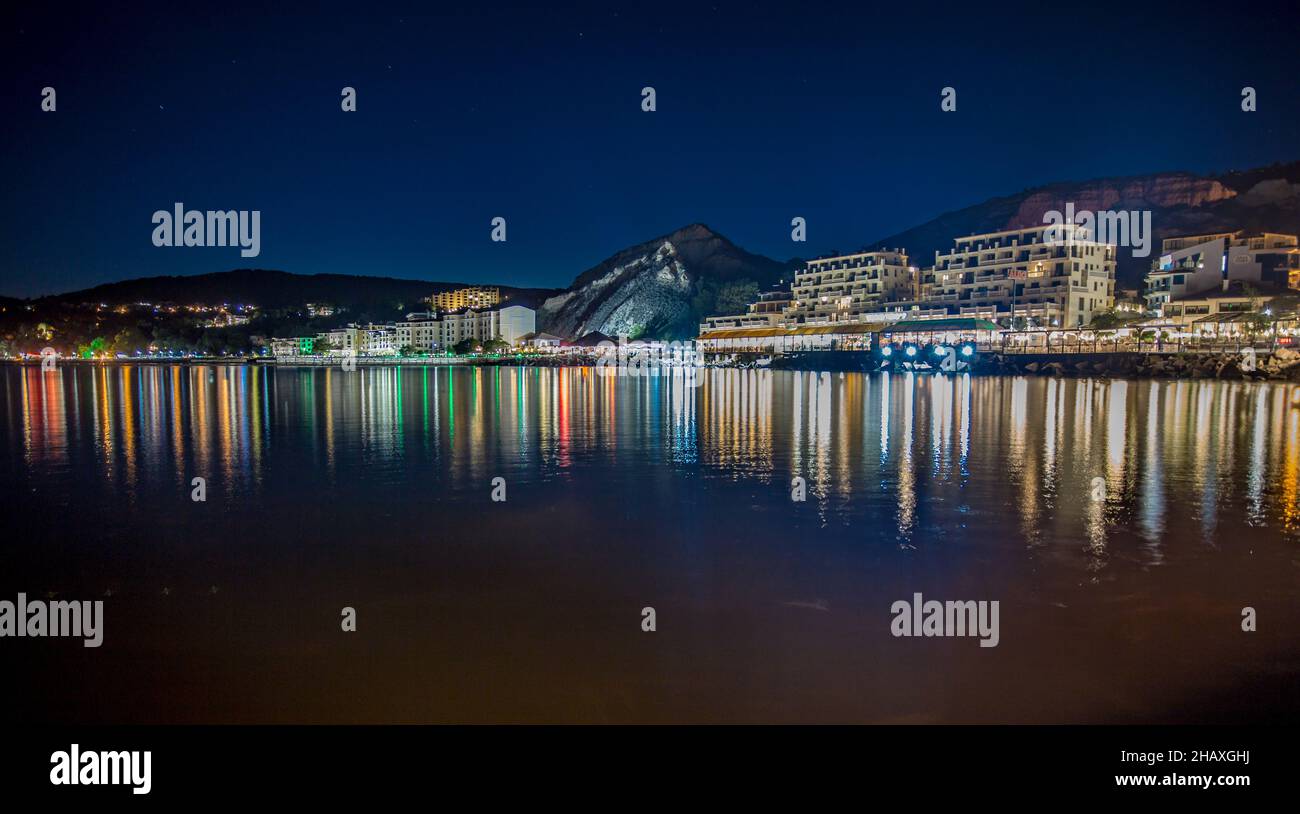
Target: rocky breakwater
<point>1282,364</point>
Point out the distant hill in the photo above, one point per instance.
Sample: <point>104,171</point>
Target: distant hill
<point>278,289</point>
<point>1182,203</point>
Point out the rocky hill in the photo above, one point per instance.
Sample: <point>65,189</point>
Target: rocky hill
<point>1181,203</point>
<point>660,288</point>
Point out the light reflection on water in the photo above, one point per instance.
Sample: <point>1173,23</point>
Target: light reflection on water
<point>1197,447</point>
<point>984,483</point>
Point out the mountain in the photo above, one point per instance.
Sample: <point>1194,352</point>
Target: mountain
<point>1181,203</point>
<point>661,288</point>
<point>278,289</point>
<point>664,287</point>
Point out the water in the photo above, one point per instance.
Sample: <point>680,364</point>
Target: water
<point>373,490</point>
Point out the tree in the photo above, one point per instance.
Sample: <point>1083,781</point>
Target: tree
<point>497,345</point>
<point>128,340</point>
<point>466,346</point>
<point>1106,319</point>
<point>210,343</point>
<point>91,349</point>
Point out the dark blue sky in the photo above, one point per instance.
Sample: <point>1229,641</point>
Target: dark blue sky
<point>533,113</point>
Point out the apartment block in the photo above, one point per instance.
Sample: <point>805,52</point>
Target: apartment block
<point>1200,264</point>
<point>361,340</point>
<point>293,346</point>
<point>476,297</point>
<point>1062,280</point>
<point>843,288</point>
<point>509,324</point>
<point>767,312</point>
<point>420,334</point>
<point>1209,307</point>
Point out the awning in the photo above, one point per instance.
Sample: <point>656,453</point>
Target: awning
<point>845,329</point>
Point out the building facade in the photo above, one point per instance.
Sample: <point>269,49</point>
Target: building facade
<point>845,287</point>
<point>418,333</point>
<point>1045,276</point>
<point>1050,281</point>
<point>1199,264</point>
<point>508,324</point>
<point>421,335</point>
<point>767,312</point>
<point>476,297</point>
<point>1212,306</point>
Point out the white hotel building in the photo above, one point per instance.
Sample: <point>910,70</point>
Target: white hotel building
<point>845,287</point>
<point>424,333</point>
<point>1025,273</point>
<point>1050,280</point>
<point>1201,265</point>
<point>508,324</point>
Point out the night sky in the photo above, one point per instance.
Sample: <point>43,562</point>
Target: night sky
<point>534,113</point>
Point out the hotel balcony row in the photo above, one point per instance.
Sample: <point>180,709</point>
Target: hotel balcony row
<point>1032,265</point>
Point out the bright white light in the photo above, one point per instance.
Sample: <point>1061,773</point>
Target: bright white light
<point>886,351</point>
<point>911,350</point>
<point>967,350</point>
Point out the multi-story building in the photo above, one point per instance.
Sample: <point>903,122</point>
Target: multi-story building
<point>514,322</point>
<point>767,312</point>
<point>358,340</point>
<point>373,340</point>
<point>226,320</point>
<point>476,297</point>
<point>293,346</point>
<point>844,287</point>
<point>1236,297</point>
<point>421,334</point>
<point>1050,280</point>
<point>508,324</point>
<point>1197,264</point>
<point>338,340</point>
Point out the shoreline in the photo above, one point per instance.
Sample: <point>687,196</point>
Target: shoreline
<point>1282,364</point>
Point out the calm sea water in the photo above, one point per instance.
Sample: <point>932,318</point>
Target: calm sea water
<point>373,490</point>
